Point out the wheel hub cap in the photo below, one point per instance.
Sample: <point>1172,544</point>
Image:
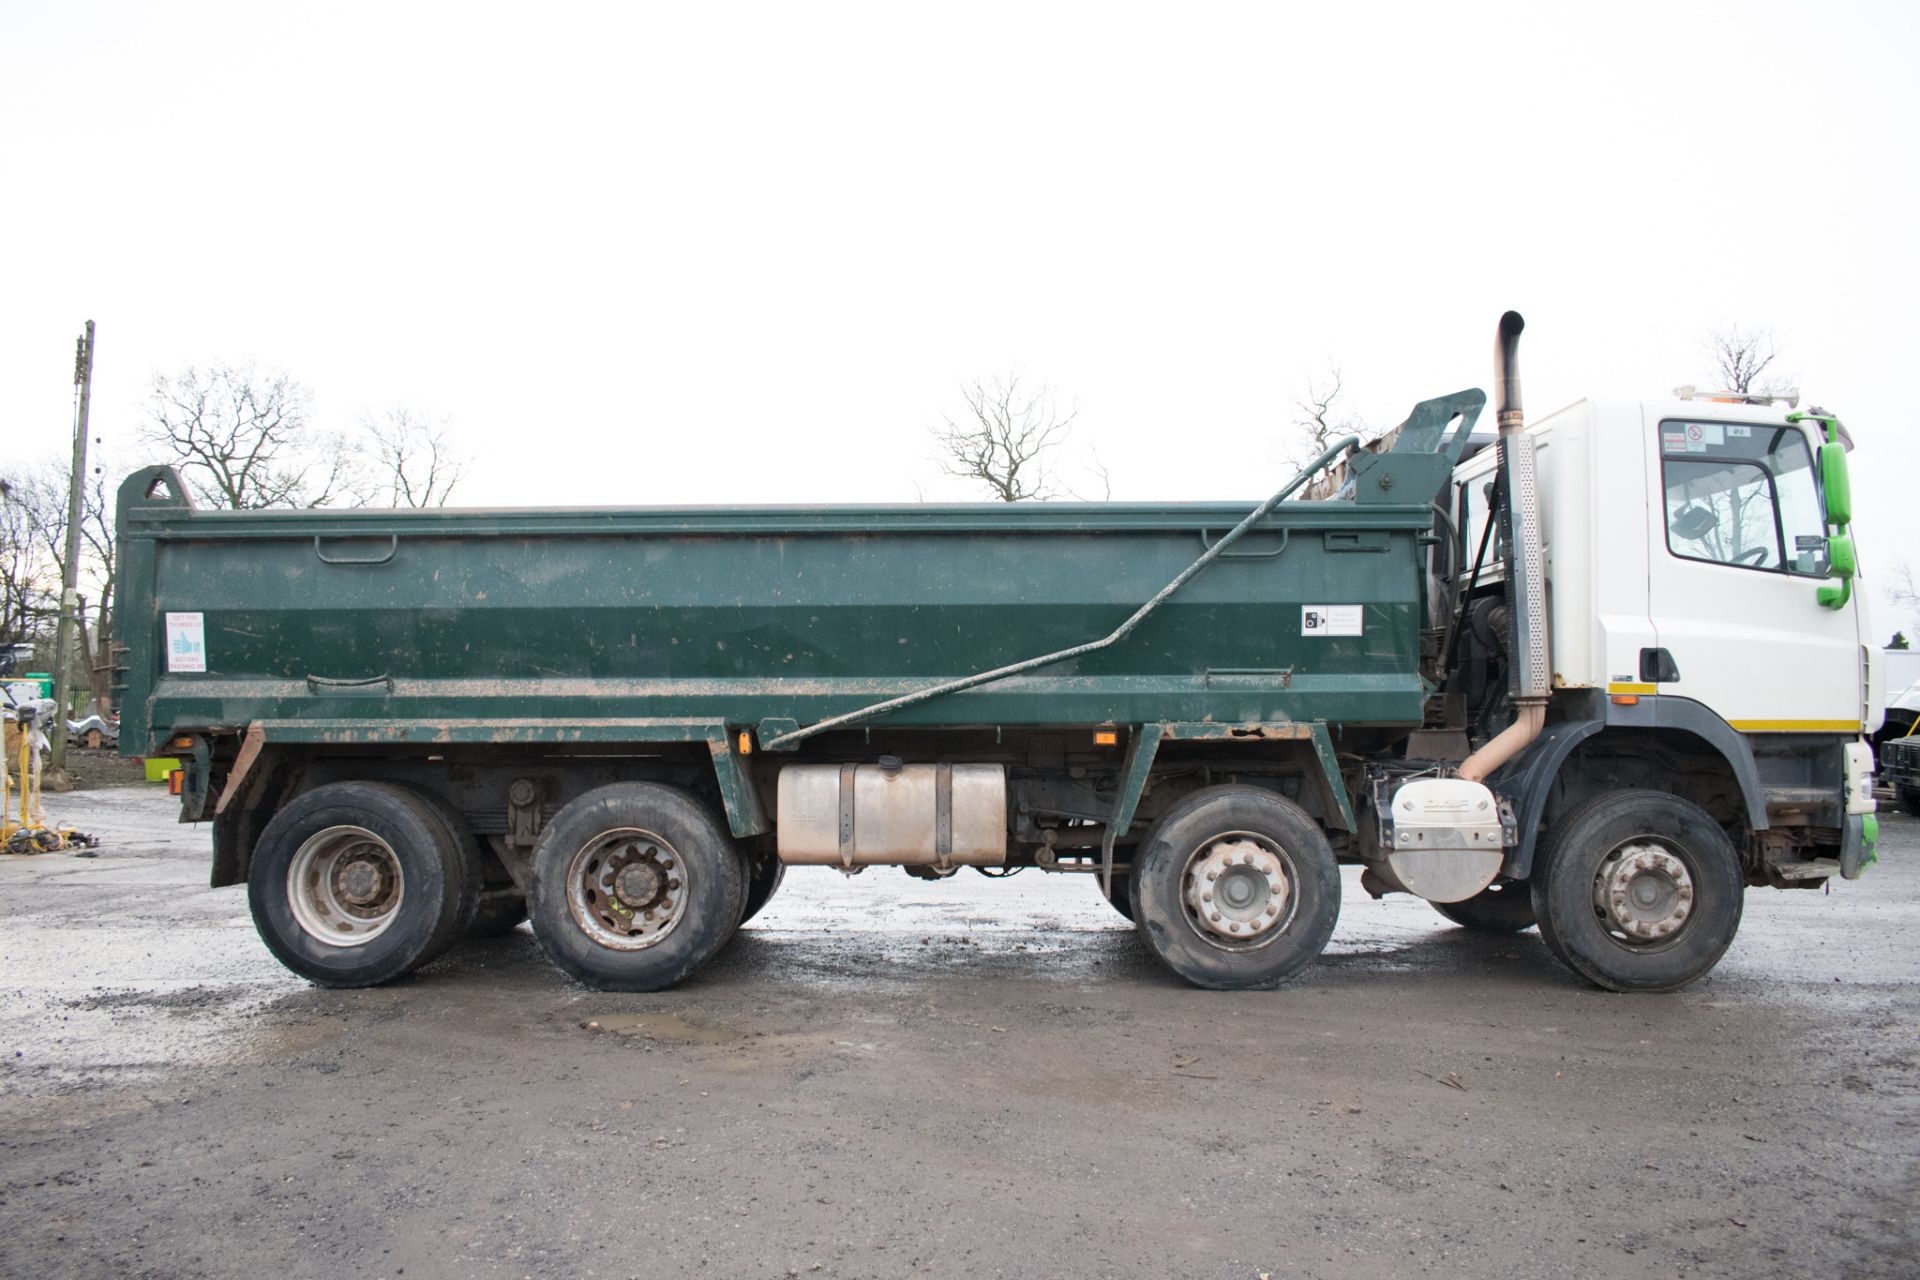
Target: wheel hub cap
<point>344,886</point>
<point>1238,889</point>
<point>1643,892</point>
<point>627,889</point>
<point>361,882</point>
<point>639,885</point>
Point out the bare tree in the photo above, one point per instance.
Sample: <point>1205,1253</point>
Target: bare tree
<point>1003,438</point>
<point>1900,588</point>
<point>419,462</point>
<point>29,583</point>
<point>1740,358</point>
<point>43,497</point>
<point>243,440</point>
<point>1321,417</point>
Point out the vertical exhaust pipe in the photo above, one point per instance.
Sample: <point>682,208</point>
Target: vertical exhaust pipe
<point>1530,675</point>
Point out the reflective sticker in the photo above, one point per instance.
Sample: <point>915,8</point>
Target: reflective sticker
<point>1331,619</point>
<point>186,642</point>
<point>1739,433</point>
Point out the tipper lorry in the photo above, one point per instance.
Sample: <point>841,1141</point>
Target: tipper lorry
<point>1602,673</point>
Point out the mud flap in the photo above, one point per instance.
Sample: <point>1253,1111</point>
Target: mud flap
<point>1859,847</point>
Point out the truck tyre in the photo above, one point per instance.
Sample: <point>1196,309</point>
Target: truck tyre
<point>357,883</point>
<point>634,886</point>
<point>762,884</point>
<point>492,908</point>
<point>1638,891</point>
<point>1236,888</point>
<point>1909,800</point>
<point>1499,908</point>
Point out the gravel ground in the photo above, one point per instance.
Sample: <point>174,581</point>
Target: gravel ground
<point>882,1077</point>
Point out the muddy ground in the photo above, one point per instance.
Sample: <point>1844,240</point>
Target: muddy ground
<point>882,1077</point>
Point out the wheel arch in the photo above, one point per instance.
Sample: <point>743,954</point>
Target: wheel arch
<point>1633,742</point>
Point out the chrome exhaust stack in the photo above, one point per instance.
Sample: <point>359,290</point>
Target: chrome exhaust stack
<point>1530,673</point>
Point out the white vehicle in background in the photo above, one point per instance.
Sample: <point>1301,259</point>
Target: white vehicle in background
<point>1902,714</point>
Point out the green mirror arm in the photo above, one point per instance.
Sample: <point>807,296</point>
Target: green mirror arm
<point>1828,423</point>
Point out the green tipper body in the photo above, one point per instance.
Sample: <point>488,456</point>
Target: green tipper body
<point>574,625</point>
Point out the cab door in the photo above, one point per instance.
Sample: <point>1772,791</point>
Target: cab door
<point>1737,550</point>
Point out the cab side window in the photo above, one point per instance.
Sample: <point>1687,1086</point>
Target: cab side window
<point>1742,495</point>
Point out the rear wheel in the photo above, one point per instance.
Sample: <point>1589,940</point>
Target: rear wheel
<point>1236,887</point>
<point>1505,907</point>
<point>357,883</point>
<point>634,886</point>
<point>1638,891</point>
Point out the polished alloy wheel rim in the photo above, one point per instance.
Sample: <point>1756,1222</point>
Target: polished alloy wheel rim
<point>627,889</point>
<point>1238,890</point>
<point>1643,893</point>
<point>345,886</point>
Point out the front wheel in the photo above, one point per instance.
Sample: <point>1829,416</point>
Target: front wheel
<point>1236,888</point>
<point>634,886</point>
<point>1638,891</point>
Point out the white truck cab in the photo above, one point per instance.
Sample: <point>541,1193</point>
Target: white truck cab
<point>1656,662</point>
<point>1686,553</point>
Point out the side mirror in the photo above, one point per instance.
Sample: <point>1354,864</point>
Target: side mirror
<point>1835,483</point>
<point>1836,490</point>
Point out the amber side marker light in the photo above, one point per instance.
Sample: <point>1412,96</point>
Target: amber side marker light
<point>746,743</point>
<point>1626,699</point>
<point>177,782</point>
<point>1106,737</point>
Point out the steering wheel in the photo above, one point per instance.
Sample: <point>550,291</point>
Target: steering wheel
<point>1755,554</point>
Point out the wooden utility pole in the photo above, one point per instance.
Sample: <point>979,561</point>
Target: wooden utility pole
<point>70,571</point>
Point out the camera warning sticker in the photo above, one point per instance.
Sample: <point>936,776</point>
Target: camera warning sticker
<point>1331,619</point>
<point>186,642</point>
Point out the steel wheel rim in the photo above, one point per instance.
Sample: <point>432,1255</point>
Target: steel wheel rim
<point>1643,894</point>
<point>345,886</point>
<point>627,889</point>
<point>1238,891</point>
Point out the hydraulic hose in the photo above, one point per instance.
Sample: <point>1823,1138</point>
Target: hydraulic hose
<point>1114,637</point>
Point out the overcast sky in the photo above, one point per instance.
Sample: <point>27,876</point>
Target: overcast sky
<point>731,253</point>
